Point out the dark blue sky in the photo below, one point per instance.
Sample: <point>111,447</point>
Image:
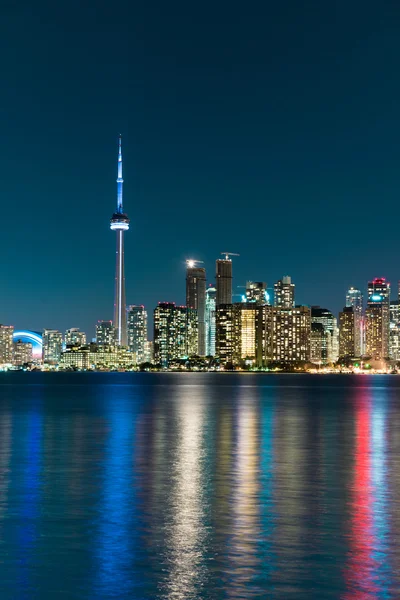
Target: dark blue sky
<point>270,129</point>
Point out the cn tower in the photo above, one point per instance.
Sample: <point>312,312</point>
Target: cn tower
<point>120,223</point>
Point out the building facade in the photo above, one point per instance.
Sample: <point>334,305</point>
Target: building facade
<point>223,281</point>
<point>210,320</point>
<point>137,332</point>
<point>330,350</point>
<point>291,334</point>
<point>394,331</point>
<point>52,346</point>
<point>105,333</point>
<point>377,319</point>
<point>354,299</point>
<point>6,344</point>
<point>175,333</point>
<point>284,292</point>
<point>256,292</point>
<point>75,337</point>
<point>347,332</point>
<point>22,353</point>
<point>227,333</point>
<point>196,299</point>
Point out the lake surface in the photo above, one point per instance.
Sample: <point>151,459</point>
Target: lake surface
<point>206,486</point>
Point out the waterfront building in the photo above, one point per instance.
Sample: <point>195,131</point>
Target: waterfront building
<point>330,350</point>
<point>354,298</point>
<point>284,292</point>
<point>75,337</point>
<point>148,352</point>
<point>227,333</point>
<point>52,346</point>
<point>224,281</point>
<point>291,334</point>
<point>256,292</point>
<point>377,319</point>
<point>6,344</point>
<point>105,333</point>
<point>120,223</point>
<point>247,330</point>
<point>394,331</point>
<point>93,356</point>
<point>196,299</point>
<point>22,353</point>
<point>317,343</point>
<point>137,332</point>
<point>210,320</point>
<point>175,333</point>
<point>347,332</point>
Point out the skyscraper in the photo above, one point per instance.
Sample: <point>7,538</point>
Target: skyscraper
<point>52,346</point>
<point>75,337</point>
<point>22,353</point>
<point>330,349</point>
<point>210,320</point>
<point>347,332</point>
<point>196,298</point>
<point>224,281</point>
<point>284,292</point>
<point>175,332</point>
<point>354,298</point>
<point>377,319</point>
<point>105,333</point>
<point>120,223</point>
<point>6,344</point>
<point>256,292</point>
<point>394,331</point>
<point>137,332</point>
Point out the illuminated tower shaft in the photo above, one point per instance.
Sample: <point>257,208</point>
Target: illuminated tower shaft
<point>120,223</point>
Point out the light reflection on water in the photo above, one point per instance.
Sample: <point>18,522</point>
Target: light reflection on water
<point>200,486</point>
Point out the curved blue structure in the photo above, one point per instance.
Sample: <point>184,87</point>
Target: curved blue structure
<point>32,337</point>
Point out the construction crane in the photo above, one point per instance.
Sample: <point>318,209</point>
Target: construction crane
<point>228,254</point>
<point>191,263</point>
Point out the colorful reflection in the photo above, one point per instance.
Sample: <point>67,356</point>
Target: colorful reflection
<point>367,569</point>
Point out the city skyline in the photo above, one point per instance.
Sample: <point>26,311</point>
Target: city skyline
<point>279,149</point>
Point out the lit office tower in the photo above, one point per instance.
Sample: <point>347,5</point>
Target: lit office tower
<point>256,292</point>
<point>394,331</point>
<point>52,346</point>
<point>224,281</point>
<point>354,298</point>
<point>137,332</point>
<point>75,337</point>
<point>210,320</point>
<point>105,333</point>
<point>227,333</point>
<point>6,344</point>
<point>196,298</point>
<point>291,334</point>
<point>284,292</point>
<point>22,353</point>
<point>377,319</point>
<point>175,333</point>
<point>347,332</point>
<point>120,223</point>
<point>330,348</point>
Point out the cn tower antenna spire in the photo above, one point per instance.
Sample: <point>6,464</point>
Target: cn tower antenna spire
<point>120,181</point>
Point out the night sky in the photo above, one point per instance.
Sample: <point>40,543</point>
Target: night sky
<point>270,129</point>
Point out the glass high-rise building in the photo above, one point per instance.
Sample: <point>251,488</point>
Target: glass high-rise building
<point>22,353</point>
<point>137,332</point>
<point>377,319</point>
<point>75,337</point>
<point>175,333</point>
<point>330,351</point>
<point>256,292</point>
<point>224,281</point>
<point>394,331</point>
<point>347,332</point>
<point>210,320</point>
<point>52,346</point>
<point>284,292</point>
<point>106,333</point>
<point>196,298</point>
<point>354,298</point>
<point>6,344</point>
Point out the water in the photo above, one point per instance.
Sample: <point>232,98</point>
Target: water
<point>199,486</point>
